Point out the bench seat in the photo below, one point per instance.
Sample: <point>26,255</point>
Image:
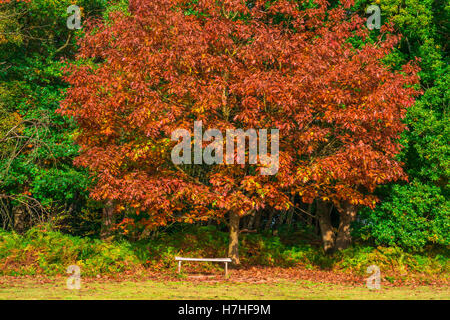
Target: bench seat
<point>224,260</point>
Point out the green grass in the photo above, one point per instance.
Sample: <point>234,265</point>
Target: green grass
<point>55,289</point>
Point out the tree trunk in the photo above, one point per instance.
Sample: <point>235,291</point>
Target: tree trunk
<point>323,215</point>
<point>107,220</point>
<point>19,219</point>
<point>257,220</point>
<point>251,220</point>
<point>233,248</point>
<point>309,218</point>
<point>269,221</point>
<point>347,216</point>
<point>281,219</point>
<point>290,216</point>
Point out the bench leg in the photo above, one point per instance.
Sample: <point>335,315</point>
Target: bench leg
<point>179,266</point>
<point>226,269</point>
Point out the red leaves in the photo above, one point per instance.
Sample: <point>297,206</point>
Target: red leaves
<point>338,108</point>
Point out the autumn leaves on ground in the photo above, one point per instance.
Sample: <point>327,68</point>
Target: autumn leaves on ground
<point>87,122</point>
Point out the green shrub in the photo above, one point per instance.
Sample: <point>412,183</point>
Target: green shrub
<point>43,251</point>
<point>416,215</point>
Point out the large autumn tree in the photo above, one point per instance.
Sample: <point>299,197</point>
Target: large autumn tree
<point>302,68</point>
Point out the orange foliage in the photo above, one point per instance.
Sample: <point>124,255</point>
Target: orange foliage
<point>338,108</point>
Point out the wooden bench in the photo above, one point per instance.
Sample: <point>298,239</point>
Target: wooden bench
<point>224,260</point>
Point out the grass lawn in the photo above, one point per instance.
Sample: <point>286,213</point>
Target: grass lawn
<point>55,288</point>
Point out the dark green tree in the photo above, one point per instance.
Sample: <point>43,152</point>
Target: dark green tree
<point>417,213</point>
